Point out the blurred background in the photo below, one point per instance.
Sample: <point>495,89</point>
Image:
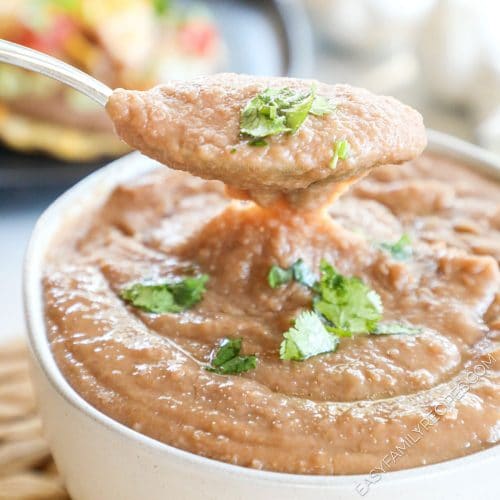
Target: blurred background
<point>440,56</point>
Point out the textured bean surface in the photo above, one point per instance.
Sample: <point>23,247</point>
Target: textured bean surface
<point>195,126</point>
<point>339,413</point>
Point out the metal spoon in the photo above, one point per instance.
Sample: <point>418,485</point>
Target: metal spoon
<point>296,169</point>
<point>32,60</point>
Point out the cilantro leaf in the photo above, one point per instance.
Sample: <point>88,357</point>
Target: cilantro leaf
<point>346,302</point>
<point>343,307</point>
<point>278,110</point>
<point>189,291</point>
<point>308,337</point>
<point>166,297</point>
<point>302,273</point>
<point>396,328</point>
<point>263,116</point>
<point>401,250</point>
<point>258,143</point>
<point>321,106</point>
<point>226,360</point>
<point>278,276</point>
<point>340,151</point>
<point>238,364</point>
<point>298,271</point>
<point>228,349</point>
<point>297,113</point>
<point>340,332</point>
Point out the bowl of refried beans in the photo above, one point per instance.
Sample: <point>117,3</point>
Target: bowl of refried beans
<point>304,304</point>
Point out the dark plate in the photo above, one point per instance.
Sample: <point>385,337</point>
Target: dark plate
<point>263,37</point>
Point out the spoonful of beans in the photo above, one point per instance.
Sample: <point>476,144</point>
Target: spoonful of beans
<point>278,141</point>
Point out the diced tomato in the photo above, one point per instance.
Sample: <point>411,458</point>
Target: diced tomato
<point>198,37</point>
<point>31,39</point>
<point>50,40</point>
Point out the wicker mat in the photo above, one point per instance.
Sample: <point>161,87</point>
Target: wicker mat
<point>27,470</point>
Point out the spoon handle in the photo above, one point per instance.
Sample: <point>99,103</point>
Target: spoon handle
<point>30,59</point>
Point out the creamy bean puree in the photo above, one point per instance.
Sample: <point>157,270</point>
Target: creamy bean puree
<point>195,126</point>
<point>321,395</point>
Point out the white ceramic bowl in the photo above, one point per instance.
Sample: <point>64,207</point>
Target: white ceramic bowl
<point>102,459</point>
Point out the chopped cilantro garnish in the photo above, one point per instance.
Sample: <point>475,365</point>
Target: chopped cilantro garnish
<point>340,152</point>
<point>302,273</point>
<point>278,276</point>
<point>299,108</point>
<point>166,297</point>
<point>339,331</point>
<point>233,150</point>
<point>258,143</point>
<point>275,111</point>
<point>298,271</point>
<point>308,337</point>
<point>343,307</point>
<point>226,359</point>
<point>396,328</point>
<point>263,115</point>
<point>321,106</point>
<point>401,250</point>
<point>346,302</point>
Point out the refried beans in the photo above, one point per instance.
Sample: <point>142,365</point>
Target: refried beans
<point>435,393</point>
<point>195,126</point>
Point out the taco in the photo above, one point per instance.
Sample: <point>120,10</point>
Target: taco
<point>124,43</point>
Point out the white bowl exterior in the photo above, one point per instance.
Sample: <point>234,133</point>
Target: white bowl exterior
<point>100,464</point>
<point>101,459</point>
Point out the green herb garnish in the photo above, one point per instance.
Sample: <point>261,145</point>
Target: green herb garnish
<point>308,337</point>
<point>275,111</point>
<point>321,106</point>
<point>258,143</point>
<point>401,250</point>
<point>396,328</point>
<point>299,108</point>
<point>278,276</point>
<point>303,274</point>
<point>226,359</point>
<point>298,271</point>
<point>166,297</point>
<point>343,307</point>
<point>340,152</point>
<point>346,302</point>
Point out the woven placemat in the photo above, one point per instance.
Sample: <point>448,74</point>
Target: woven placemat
<point>27,471</point>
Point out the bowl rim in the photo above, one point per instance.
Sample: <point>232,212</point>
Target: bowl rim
<point>102,181</point>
